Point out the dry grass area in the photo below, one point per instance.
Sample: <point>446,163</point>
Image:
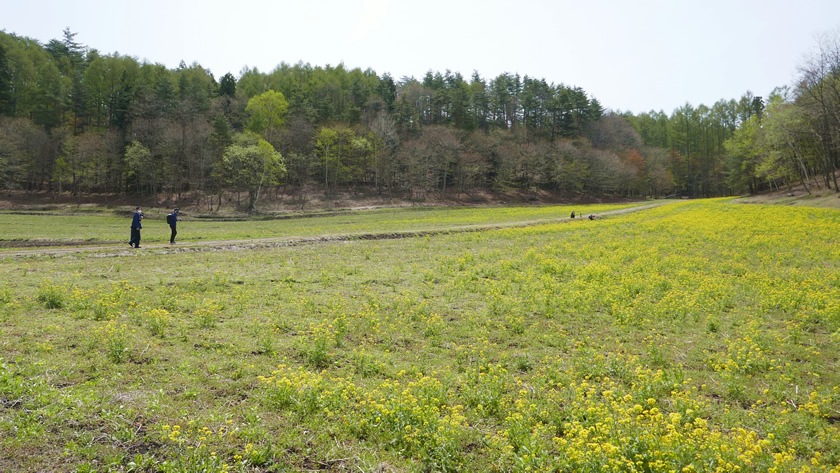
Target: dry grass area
<point>798,196</point>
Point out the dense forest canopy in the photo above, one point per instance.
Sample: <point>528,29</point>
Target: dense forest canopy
<point>74,120</point>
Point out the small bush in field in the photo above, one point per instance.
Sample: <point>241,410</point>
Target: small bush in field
<point>114,339</point>
<point>5,294</point>
<point>52,296</point>
<point>158,321</point>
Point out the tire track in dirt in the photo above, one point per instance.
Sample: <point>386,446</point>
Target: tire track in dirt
<point>89,249</point>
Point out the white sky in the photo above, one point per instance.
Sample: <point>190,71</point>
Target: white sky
<point>635,55</point>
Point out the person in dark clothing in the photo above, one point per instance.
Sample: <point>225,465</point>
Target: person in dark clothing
<point>573,214</point>
<point>135,228</point>
<point>173,221</point>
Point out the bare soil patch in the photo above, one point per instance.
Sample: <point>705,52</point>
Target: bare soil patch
<point>52,243</point>
<point>797,196</point>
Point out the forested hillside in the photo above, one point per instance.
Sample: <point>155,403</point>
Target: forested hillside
<point>77,121</point>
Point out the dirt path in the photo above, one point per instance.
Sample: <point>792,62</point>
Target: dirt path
<point>110,250</point>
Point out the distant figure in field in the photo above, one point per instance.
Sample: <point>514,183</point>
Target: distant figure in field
<point>592,217</point>
<point>573,214</point>
<point>172,220</point>
<point>135,228</point>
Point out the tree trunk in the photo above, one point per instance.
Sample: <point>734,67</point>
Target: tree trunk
<point>252,199</point>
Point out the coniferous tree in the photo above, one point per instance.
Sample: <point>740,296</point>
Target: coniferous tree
<point>227,85</point>
<point>5,83</point>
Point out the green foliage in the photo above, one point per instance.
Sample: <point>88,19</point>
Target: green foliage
<point>743,149</point>
<point>5,294</point>
<point>53,296</point>
<point>141,168</point>
<point>207,314</point>
<point>250,164</point>
<point>5,82</point>
<point>227,85</point>
<point>114,339</point>
<point>344,157</point>
<point>268,113</point>
<point>158,321</point>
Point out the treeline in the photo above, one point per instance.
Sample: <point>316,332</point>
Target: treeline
<point>752,145</point>
<point>796,139</point>
<point>73,120</point>
<point>696,138</point>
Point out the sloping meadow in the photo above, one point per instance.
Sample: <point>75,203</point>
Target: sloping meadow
<point>696,336</point>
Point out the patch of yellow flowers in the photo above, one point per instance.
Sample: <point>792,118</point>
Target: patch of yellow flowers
<point>549,423</point>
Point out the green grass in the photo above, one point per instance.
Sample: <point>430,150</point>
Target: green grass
<point>21,228</point>
<point>694,336</point>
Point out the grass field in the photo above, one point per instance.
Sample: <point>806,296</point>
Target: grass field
<point>17,229</point>
<point>695,336</point>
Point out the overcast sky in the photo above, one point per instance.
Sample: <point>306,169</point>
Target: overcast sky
<point>635,55</point>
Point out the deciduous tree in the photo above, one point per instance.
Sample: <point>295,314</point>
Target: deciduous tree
<point>250,164</point>
<point>268,113</point>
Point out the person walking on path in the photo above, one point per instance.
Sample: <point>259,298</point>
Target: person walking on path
<point>135,228</point>
<point>172,220</point>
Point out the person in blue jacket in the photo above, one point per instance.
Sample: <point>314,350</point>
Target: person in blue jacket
<point>135,228</point>
<point>173,221</point>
